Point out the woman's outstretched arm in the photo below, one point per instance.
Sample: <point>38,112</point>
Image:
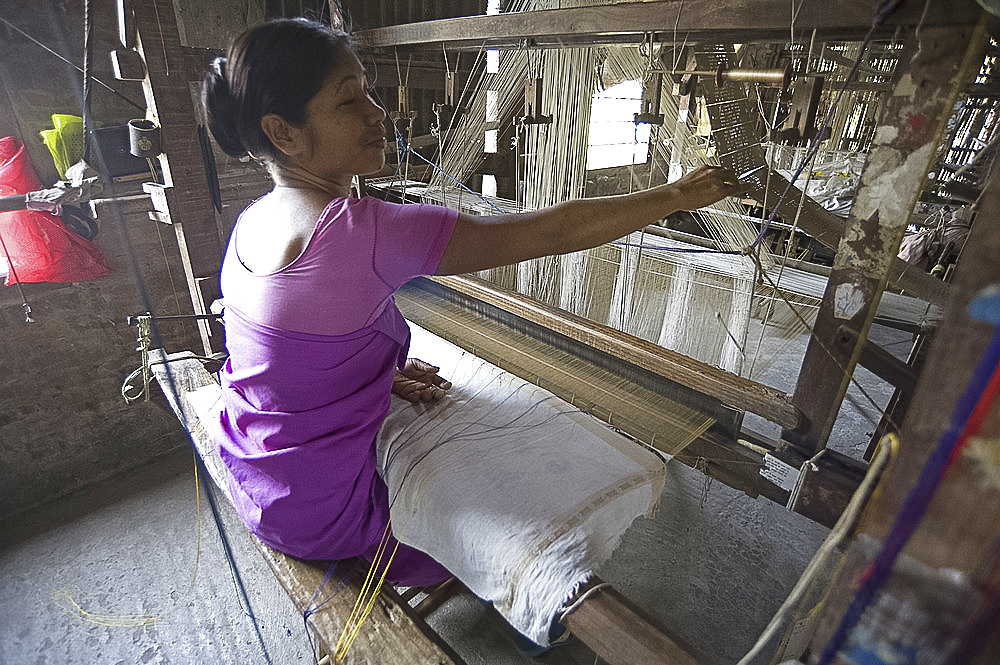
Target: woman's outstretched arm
<point>490,241</point>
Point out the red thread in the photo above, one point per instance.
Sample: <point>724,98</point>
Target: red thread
<point>977,416</point>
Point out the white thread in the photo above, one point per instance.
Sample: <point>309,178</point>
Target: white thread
<point>579,601</point>
<point>840,531</point>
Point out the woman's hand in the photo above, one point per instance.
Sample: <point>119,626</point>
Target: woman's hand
<point>705,185</point>
<point>419,382</point>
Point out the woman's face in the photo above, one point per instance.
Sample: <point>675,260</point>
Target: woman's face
<point>343,130</point>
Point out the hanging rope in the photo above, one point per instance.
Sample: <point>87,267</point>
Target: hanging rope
<point>25,307</point>
<point>88,55</point>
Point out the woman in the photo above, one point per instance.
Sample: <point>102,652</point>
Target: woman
<point>315,340</point>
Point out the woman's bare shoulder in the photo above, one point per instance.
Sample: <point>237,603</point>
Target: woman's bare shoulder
<point>274,230</point>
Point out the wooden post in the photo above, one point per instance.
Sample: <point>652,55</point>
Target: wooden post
<point>909,131</point>
<point>184,199</point>
<point>960,531</point>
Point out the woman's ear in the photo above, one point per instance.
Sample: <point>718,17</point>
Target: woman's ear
<point>285,137</point>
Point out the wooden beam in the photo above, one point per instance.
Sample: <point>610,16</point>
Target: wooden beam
<point>691,20</point>
<point>185,200</point>
<point>620,632</point>
<point>911,126</point>
<point>728,388</point>
<point>651,409</point>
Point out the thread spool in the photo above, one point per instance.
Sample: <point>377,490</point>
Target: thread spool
<point>143,138</point>
<point>777,77</point>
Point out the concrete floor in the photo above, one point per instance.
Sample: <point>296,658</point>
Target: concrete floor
<point>126,574</point>
<point>133,572</point>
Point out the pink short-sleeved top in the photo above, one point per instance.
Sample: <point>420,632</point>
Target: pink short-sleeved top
<point>313,349</point>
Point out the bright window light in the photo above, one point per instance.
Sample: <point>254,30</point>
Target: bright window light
<point>492,106</point>
<point>615,139</point>
<point>489,184</point>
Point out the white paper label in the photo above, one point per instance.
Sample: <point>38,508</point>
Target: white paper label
<point>779,473</point>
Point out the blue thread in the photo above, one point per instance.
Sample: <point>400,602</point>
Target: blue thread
<point>313,607</point>
<point>237,578</point>
<point>919,498</point>
<point>407,149</point>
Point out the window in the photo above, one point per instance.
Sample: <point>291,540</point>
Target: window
<point>615,140</point>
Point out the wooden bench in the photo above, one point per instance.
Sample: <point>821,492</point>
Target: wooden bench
<point>394,632</point>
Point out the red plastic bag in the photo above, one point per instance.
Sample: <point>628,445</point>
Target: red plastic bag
<point>39,246</point>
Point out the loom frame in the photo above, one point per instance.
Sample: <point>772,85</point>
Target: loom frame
<point>824,494</point>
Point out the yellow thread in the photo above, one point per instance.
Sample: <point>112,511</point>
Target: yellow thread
<point>340,649</point>
<point>64,600</point>
<point>197,503</point>
<point>366,598</point>
<point>368,595</point>
<point>342,653</point>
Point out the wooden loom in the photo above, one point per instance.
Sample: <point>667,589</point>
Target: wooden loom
<point>870,262</point>
<point>639,380</point>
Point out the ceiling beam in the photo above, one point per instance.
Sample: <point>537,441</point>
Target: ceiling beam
<point>738,21</point>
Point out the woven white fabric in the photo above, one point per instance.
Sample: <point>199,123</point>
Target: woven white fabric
<point>520,495</point>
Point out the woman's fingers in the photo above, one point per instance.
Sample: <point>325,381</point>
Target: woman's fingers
<point>707,184</point>
<point>423,371</point>
<point>416,390</point>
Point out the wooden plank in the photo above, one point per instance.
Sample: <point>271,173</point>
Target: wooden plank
<point>911,126</point>
<point>732,390</point>
<point>692,20</point>
<point>621,633</point>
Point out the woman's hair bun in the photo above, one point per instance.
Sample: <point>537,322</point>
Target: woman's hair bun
<point>220,108</point>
